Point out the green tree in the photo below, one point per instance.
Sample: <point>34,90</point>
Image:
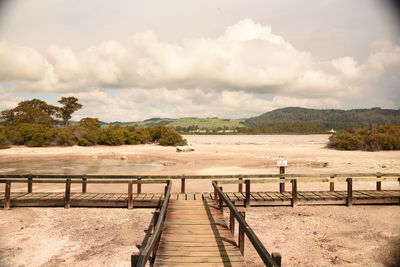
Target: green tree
<point>30,111</point>
<point>70,105</point>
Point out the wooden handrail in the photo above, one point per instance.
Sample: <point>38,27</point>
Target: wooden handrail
<point>255,241</point>
<point>311,180</point>
<point>87,181</point>
<point>144,254</point>
<point>213,177</point>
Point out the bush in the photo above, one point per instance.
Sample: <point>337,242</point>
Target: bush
<point>384,137</point>
<point>4,143</point>
<point>113,135</point>
<point>170,137</point>
<point>30,134</point>
<point>134,136</point>
<point>64,137</point>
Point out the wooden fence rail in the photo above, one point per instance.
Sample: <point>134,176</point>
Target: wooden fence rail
<point>295,181</point>
<point>141,259</point>
<point>68,181</point>
<point>273,260</point>
<point>282,176</point>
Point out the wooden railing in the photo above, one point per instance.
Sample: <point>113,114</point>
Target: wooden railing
<point>152,244</point>
<point>67,180</point>
<point>273,260</point>
<point>311,179</point>
<point>183,178</point>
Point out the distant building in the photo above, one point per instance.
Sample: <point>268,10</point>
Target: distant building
<point>332,131</point>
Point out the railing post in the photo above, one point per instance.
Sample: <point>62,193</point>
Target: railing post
<point>277,258</point>
<point>215,192</point>
<point>165,190</point>
<point>282,177</point>
<point>294,192</point>
<point>232,222</point>
<point>221,201</point>
<point>139,186</point>
<point>30,184</point>
<point>7,195</point>
<point>349,191</point>
<point>241,235</point>
<point>130,195</point>
<point>183,184</point>
<point>67,193</point>
<point>134,259</point>
<point>378,183</point>
<point>240,185</point>
<point>84,184</point>
<point>332,184</point>
<point>247,200</point>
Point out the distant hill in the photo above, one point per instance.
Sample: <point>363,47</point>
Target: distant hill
<point>326,118</point>
<point>198,123</point>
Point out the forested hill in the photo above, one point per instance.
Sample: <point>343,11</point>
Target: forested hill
<point>329,118</point>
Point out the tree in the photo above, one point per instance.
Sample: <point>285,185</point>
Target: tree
<point>30,111</point>
<point>70,105</point>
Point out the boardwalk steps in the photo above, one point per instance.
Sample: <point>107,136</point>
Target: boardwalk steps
<point>57,199</point>
<point>195,234</point>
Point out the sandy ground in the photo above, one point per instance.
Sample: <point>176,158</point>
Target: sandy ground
<point>305,236</point>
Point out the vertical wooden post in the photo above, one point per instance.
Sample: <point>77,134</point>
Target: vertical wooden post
<point>183,185</point>
<point>332,184</point>
<point>240,185</point>
<point>7,195</point>
<point>215,192</point>
<point>232,222</point>
<point>84,179</point>
<point>67,193</point>
<point>139,186</point>
<point>30,184</point>
<point>221,202</point>
<point>378,183</point>
<point>165,190</point>
<point>294,192</point>
<point>282,177</point>
<point>277,258</point>
<point>134,259</point>
<point>241,235</point>
<point>247,200</point>
<point>349,191</point>
<point>130,195</point>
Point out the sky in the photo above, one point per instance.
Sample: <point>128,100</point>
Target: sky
<point>128,60</point>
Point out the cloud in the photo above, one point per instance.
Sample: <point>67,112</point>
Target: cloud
<point>137,104</point>
<point>247,70</point>
<point>246,57</point>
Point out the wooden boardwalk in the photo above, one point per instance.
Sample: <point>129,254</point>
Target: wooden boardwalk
<point>57,199</point>
<point>195,234</point>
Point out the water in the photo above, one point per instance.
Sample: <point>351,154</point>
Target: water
<point>80,166</point>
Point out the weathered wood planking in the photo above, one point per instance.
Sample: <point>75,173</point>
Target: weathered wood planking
<point>57,199</point>
<point>195,234</point>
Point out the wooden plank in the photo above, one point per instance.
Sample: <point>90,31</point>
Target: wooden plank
<point>219,259</point>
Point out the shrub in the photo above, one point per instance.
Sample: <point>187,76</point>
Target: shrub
<point>30,134</point>
<point>135,136</point>
<point>170,137</point>
<point>384,137</point>
<point>113,135</point>
<point>4,143</point>
<point>64,137</point>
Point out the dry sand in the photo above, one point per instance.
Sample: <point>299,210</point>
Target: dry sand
<point>305,236</point>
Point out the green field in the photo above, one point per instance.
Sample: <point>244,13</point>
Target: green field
<point>202,123</point>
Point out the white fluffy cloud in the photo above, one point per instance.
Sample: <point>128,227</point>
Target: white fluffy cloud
<point>202,75</point>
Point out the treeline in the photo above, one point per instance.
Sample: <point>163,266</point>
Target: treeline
<point>383,137</point>
<point>286,128</point>
<point>34,123</point>
<point>329,118</point>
